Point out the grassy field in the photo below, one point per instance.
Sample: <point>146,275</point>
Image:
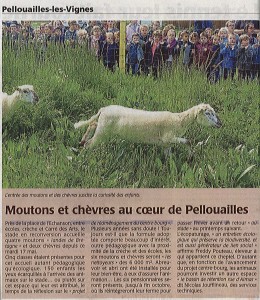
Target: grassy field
<point>40,145</point>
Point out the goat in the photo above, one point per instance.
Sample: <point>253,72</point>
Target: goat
<point>23,92</point>
<point>139,126</point>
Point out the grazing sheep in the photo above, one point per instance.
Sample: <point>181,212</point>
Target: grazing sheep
<point>23,92</point>
<point>139,126</point>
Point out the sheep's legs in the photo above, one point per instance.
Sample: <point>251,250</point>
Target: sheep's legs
<point>88,143</point>
<point>186,142</point>
<point>91,142</point>
<point>181,140</point>
<point>89,134</point>
<point>168,150</point>
<point>175,140</point>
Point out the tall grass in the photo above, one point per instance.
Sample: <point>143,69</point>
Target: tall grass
<point>40,145</point>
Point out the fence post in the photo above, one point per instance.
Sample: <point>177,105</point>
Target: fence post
<point>122,46</point>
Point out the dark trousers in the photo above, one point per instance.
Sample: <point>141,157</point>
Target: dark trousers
<point>144,67</point>
<point>135,69</point>
<point>228,73</point>
<point>256,71</point>
<point>244,74</point>
<point>110,66</point>
<point>212,74</point>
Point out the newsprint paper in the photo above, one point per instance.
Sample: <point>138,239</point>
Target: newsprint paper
<point>157,195</point>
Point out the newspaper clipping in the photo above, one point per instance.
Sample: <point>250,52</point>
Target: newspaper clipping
<point>130,164</point>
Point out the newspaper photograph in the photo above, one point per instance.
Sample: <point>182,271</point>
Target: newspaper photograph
<point>130,150</point>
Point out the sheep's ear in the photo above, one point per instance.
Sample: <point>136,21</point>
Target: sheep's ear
<point>202,108</point>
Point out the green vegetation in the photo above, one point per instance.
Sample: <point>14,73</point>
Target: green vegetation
<point>40,145</point>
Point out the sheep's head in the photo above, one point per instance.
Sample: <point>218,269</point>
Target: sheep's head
<point>27,93</point>
<point>206,116</point>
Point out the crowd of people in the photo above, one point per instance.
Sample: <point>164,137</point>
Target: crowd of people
<point>150,49</point>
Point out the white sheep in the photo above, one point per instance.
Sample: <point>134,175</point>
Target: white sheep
<point>139,126</point>
<point>23,92</point>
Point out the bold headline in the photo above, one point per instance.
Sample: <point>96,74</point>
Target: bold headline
<point>53,9</point>
<point>127,210</point>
